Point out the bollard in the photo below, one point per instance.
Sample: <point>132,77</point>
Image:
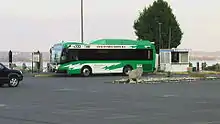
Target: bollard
<point>10,59</point>
<point>197,66</point>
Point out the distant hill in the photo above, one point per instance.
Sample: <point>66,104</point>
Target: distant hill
<point>201,55</point>
<point>26,56</point>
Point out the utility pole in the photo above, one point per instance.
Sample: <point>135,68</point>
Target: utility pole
<point>82,27</point>
<point>159,45</point>
<point>159,35</point>
<point>170,37</point>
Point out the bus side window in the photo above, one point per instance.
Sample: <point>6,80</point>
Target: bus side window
<point>74,57</point>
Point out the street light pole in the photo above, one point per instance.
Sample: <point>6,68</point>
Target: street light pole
<point>159,44</point>
<point>170,37</point>
<point>159,35</point>
<point>82,31</point>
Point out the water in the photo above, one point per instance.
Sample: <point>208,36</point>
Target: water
<point>208,62</point>
<point>28,64</point>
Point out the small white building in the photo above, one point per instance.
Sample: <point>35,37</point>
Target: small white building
<point>174,60</point>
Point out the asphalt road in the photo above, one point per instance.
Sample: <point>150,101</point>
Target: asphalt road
<point>91,101</point>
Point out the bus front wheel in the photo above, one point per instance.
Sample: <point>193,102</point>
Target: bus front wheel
<point>86,71</point>
<point>127,69</point>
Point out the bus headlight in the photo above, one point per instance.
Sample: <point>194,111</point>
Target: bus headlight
<point>139,66</point>
<point>56,67</point>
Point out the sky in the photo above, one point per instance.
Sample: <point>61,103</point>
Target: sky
<point>30,25</point>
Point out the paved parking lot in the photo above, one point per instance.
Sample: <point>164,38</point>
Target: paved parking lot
<point>91,101</point>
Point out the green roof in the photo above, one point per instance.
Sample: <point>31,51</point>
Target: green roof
<point>120,42</point>
<point>109,42</point>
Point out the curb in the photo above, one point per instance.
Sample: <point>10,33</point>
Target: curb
<point>187,73</point>
<point>163,80</point>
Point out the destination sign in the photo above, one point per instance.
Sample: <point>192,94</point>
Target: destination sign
<point>101,46</point>
<point>113,46</point>
<point>76,46</point>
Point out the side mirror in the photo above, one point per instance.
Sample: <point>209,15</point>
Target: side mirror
<point>63,58</point>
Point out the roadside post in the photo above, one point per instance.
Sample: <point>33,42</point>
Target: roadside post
<point>10,59</point>
<point>36,61</point>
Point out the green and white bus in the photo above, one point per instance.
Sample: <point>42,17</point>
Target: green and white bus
<point>102,56</point>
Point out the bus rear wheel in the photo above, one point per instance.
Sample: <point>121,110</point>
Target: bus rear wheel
<point>127,69</point>
<point>86,71</point>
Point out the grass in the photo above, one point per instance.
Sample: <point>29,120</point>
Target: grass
<point>211,72</point>
<point>198,75</point>
<point>184,73</point>
<point>44,75</point>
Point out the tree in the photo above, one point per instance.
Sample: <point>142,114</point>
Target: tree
<point>156,24</point>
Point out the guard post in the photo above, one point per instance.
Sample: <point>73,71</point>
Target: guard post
<point>10,59</point>
<point>36,61</point>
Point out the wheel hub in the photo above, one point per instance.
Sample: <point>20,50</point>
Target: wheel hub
<point>127,70</point>
<point>13,82</point>
<point>86,72</point>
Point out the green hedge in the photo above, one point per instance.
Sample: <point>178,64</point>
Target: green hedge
<point>215,67</point>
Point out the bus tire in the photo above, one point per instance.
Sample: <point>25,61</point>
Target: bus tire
<point>86,71</point>
<point>126,69</point>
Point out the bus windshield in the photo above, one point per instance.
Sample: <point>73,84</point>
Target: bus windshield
<point>55,54</point>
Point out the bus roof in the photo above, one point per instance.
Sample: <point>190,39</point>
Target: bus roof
<point>108,42</point>
<point>120,42</point>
